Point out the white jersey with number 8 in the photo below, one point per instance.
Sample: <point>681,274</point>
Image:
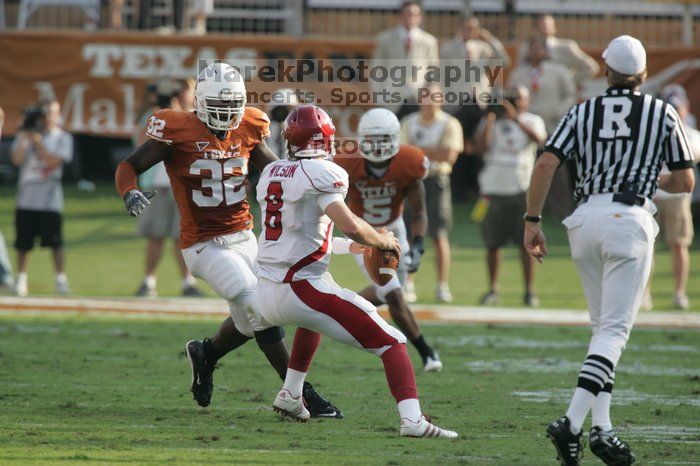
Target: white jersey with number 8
<point>296,237</point>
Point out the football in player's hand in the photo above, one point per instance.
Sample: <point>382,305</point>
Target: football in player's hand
<point>381,265</point>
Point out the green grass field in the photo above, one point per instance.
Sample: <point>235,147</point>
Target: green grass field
<point>82,389</point>
<point>105,390</point>
<point>105,258</point>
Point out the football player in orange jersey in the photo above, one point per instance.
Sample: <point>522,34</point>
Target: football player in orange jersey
<point>206,154</point>
<point>382,175</point>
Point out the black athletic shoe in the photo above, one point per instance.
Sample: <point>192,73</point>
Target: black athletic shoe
<point>202,373</point>
<point>319,406</point>
<point>569,446</point>
<point>606,445</point>
<point>191,291</point>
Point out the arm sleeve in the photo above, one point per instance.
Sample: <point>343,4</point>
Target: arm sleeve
<point>125,178</point>
<point>327,181</point>
<point>677,152</point>
<point>562,142</point>
<point>341,245</point>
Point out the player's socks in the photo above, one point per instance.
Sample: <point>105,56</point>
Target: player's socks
<point>424,350</point>
<point>211,354</point>
<point>399,373</point>
<point>305,345</point>
<point>600,414</point>
<point>150,281</point>
<point>595,373</point>
<point>294,382</point>
<point>410,409</point>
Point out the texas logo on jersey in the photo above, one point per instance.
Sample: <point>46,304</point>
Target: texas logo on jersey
<point>207,174</point>
<point>379,200</point>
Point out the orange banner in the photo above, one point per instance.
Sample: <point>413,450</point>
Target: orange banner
<point>100,78</point>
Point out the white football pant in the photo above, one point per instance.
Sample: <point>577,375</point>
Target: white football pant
<point>226,263</point>
<point>612,245</point>
<point>324,307</point>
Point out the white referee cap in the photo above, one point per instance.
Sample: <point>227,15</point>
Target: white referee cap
<point>626,55</point>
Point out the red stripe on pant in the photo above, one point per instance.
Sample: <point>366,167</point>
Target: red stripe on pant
<point>305,344</point>
<point>397,365</point>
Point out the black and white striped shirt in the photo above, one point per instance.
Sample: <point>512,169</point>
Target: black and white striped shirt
<point>622,136</point>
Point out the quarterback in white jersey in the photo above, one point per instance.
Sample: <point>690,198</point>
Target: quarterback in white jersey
<point>301,199</point>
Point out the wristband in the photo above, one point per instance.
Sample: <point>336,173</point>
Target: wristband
<point>341,245</point>
<point>532,218</point>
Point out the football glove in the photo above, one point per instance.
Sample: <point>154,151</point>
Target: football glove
<point>415,254</point>
<point>135,201</point>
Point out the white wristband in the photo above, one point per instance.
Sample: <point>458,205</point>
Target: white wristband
<point>341,245</point>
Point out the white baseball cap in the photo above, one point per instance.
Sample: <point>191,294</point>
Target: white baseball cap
<point>626,55</point>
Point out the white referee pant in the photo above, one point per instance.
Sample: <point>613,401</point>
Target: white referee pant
<point>227,264</point>
<point>323,306</point>
<point>612,245</point>
<point>399,229</point>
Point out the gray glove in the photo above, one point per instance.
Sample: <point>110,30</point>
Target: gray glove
<point>416,254</point>
<point>136,201</point>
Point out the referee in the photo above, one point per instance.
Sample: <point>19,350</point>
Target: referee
<point>619,140</point>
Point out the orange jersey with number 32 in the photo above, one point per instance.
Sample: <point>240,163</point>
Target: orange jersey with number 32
<point>379,200</point>
<point>208,174</point>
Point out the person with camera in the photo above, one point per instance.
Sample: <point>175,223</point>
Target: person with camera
<point>40,150</point>
<point>508,137</point>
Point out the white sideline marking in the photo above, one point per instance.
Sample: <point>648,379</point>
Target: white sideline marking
<point>560,366</point>
<point>500,341</point>
<point>620,397</point>
<point>214,307</point>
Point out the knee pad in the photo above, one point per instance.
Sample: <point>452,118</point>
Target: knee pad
<point>269,336</point>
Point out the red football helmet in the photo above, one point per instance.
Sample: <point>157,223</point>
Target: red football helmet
<point>309,132</point>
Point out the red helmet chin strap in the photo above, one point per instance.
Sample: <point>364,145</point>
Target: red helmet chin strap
<point>309,132</point>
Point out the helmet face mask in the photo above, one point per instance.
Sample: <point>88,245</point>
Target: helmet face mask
<point>379,147</point>
<point>378,135</point>
<point>220,97</point>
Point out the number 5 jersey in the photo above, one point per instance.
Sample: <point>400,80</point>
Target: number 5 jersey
<point>379,199</point>
<point>208,174</point>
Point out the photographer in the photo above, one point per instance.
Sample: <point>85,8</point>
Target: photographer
<point>40,149</point>
<point>508,136</point>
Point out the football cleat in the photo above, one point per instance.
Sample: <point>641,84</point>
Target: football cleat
<point>443,293</point>
<point>202,373</point>
<point>319,406</point>
<point>432,364</point>
<point>606,445</point>
<point>569,446</point>
<point>531,300</point>
<point>489,299</point>
<point>146,291</point>
<point>287,405</point>
<point>191,291</point>
<point>409,292</point>
<point>424,429</point>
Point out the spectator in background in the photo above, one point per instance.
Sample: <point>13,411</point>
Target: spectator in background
<point>674,215</point>
<point>552,93</point>
<point>408,45</point>
<point>439,135</point>
<point>281,104</point>
<point>201,9</point>
<point>162,219</point>
<point>40,150</point>
<point>508,136</point>
<point>115,14</point>
<point>563,51</point>
<point>6,280</point>
<point>472,42</point>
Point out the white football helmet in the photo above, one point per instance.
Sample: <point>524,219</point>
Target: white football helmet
<point>379,135</point>
<point>220,97</point>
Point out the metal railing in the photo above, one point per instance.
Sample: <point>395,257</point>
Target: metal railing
<point>591,23</point>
